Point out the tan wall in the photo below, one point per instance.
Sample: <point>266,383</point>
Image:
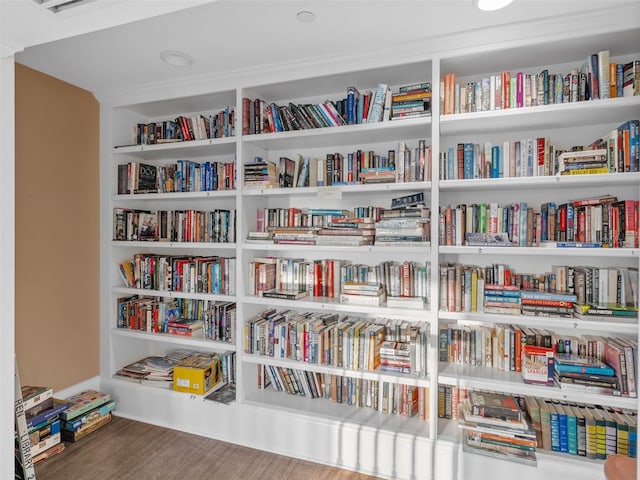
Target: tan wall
<point>57,244</point>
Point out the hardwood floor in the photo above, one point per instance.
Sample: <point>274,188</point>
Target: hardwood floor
<point>125,449</point>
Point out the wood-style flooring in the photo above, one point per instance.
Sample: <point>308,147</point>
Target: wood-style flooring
<point>125,449</point>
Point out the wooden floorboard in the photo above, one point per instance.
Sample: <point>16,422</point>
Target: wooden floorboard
<point>126,449</point>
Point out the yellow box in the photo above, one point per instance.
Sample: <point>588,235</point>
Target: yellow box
<point>197,374</point>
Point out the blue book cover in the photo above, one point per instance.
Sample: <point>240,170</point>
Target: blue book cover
<point>592,369</point>
<point>352,105</point>
<point>563,429</point>
<point>46,415</point>
<point>495,162</point>
<point>468,160</point>
<point>555,428</point>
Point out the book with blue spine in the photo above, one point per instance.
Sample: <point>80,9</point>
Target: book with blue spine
<point>538,295</point>
<point>565,362</point>
<point>495,161</point>
<point>45,416</point>
<point>563,431</point>
<point>353,99</point>
<point>468,160</point>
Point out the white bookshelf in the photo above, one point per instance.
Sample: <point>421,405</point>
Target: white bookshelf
<point>390,446</point>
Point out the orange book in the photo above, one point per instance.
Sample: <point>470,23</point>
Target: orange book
<point>613,67</point>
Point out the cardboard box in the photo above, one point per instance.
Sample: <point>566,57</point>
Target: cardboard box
<point>197,374</point>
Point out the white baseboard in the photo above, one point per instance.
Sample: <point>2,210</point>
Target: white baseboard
<point>92,383</point>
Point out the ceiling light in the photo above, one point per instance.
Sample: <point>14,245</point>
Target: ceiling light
<point>489,5</point>
<point>176,59</point>
<point>305,16</point>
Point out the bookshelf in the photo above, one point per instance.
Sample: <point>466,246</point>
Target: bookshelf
<point>392,446</point>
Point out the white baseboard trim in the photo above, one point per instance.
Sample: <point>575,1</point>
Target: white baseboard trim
<point>92,383</point>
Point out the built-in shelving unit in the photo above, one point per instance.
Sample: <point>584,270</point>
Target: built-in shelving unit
<point>391,446</point>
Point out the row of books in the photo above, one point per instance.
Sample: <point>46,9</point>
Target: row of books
<point>587,363</point>
<point>597,78</point>
<point>601,221</point>
<point>370,106</point>
<point>178,273</point>
<point>187,128</point>
<point>213,320</point>
<point>346,341</point>
<point>183,370</point>
<point>339,279</point>
<point>615,152</point>
<point>581,290</point>
<point>383,397</point>
<point>405,164</point>
<point>217,225</point>
<point>181,176</point>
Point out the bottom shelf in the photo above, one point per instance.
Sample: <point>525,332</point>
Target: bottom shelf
<point>322,408</point>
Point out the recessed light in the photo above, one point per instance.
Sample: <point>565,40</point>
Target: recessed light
<point>176,59</point>
<point>305,16</point>
<point>490,5</point>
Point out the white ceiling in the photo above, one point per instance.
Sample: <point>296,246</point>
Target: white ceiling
<point>109,45</point>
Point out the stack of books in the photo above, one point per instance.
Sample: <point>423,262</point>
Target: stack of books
<point>411,101</point>
<point>583,162</point>
<point>358,293</point>
<point>260,174</point>
<point>496,425</point>
<point>350,231</point>
<point>87,412</point>
<point>294,235</point>
<point>503,299</point>
<point>403,226</point>
<point>588,374</point>
<point>547,304</point>
<point>395,356</point>
<point>43,421</point>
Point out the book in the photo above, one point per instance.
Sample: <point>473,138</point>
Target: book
<point>506,424</point>
<point>82,402</point>
<point>34,395</point>
<point>501,452</point>
<point>581,364</point>
<point>88,417</point>
<point>495,405</point>
<point>284,294</point>
<point>48,414</point>
<point>86,429</point>
<point>226,394</point>
<point>48,453</point>
<point>538,365</point>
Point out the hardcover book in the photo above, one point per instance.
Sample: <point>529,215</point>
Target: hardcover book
<point>33,395</point>
<point>496,405</point>
<point>565,362</point>
<point>83,402</point>
<point>537,365</point>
